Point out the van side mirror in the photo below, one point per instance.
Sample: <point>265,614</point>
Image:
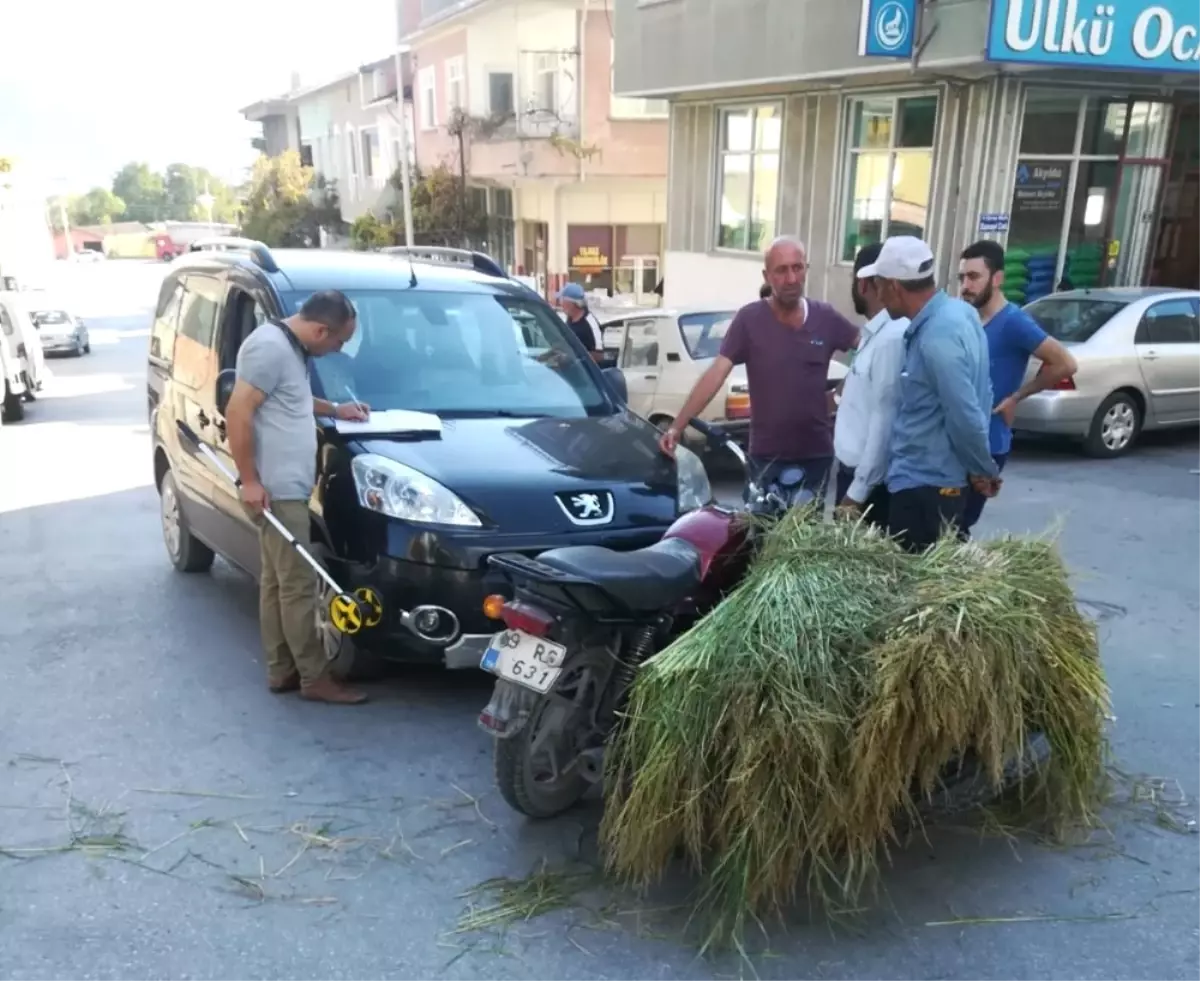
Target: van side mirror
<point>225,382</point>
<point>615,378</point>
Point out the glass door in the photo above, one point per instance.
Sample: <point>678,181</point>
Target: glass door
<point>1131,237</point>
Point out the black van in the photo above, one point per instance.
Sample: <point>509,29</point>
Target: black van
<point>526,445</point>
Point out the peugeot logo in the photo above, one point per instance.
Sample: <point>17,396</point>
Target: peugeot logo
<point>586,507</point>
<point>891,25</point>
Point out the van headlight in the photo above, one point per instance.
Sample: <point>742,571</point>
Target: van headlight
<point>693,489</point>
<point>398,491</point>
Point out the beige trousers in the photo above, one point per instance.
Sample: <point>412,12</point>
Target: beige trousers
<point>287,599</point>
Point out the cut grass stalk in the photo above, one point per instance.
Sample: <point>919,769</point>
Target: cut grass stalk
<point>778,741</point>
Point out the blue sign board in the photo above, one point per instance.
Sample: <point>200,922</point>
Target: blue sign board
<point>1138,35</point>
<point>993,222</point>
<point>887,28</point>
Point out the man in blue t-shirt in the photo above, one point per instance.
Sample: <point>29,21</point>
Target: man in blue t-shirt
<point>1013,337</point>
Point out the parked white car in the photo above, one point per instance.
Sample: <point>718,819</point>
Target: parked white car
<point>23,340</point>
<point>59,330</point>
<point>1138,350</point>
<point>12,409</point>
<point>663,353</point>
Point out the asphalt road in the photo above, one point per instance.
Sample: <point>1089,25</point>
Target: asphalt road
<point>162,815</point>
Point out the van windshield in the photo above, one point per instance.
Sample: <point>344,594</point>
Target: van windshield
<point>704,332</point>
<point>459,354</point>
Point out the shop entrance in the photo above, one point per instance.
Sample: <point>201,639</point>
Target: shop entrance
<point>1176,254</point>
<point>1088,204</point>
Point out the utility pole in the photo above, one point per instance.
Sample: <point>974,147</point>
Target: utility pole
<point>405,177</point>
<point>66,226</point>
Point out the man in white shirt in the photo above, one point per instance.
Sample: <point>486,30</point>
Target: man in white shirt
<point>871,391</point>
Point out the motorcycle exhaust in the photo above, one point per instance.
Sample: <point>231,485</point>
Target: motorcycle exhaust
<point>432,624</point>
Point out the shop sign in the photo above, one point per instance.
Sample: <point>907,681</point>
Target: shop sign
<point>993,222</point>
<point>589,255</point>
<point>589,246</point>
<point>1158,36</point>
<point>1041,186</point>
<point>887,28</point>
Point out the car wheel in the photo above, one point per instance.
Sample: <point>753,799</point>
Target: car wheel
<point>14,406</point>
<point>187,553</point>
<point>1115,426</point>
<point>348,661</point>
<point>87,347</point>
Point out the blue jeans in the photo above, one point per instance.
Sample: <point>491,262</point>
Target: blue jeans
<point>816,470</point>
<point>976,501</point>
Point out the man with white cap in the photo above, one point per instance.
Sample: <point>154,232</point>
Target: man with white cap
<point>581,321</point>
<point>940,436</point>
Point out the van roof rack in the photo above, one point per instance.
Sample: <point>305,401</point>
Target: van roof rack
<point>257,251</point>
<point>481,262</point>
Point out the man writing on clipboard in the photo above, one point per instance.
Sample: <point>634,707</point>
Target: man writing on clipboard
<point>270,420</point>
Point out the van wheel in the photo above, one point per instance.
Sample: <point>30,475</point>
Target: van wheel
<point>348,662</point>
<point>187,553</point>
<point>14,406</point>
<point>1115,426</point>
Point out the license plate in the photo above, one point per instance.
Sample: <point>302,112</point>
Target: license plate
<point>524,659</point>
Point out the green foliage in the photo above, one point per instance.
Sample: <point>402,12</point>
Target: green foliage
<point>98,207</point>
<point>443,214</point>
<point>143,192</point>
<point>287,205</point>
<point>369,232</point>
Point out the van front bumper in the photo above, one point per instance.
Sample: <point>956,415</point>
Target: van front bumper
<point>402,585</point>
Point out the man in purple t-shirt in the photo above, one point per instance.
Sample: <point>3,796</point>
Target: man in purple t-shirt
<point>785,342</point>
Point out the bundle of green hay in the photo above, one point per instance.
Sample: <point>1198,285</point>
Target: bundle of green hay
<point>779,741</point>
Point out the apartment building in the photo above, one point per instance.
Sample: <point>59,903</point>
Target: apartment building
<point>1066,131</point>
<point>347,129</point>
<point>518,93</point>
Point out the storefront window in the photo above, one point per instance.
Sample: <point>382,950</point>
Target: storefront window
<point>889,171</point>
<point>749,176</point>
<point>1084,200</point>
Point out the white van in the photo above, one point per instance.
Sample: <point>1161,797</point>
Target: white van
<point>23,341</point>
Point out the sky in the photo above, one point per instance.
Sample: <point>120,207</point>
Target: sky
<point>86,87</point>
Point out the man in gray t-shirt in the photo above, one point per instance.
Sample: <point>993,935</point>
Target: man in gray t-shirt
<point>273,438</point>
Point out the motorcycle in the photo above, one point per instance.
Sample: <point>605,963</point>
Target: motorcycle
<point>581,620</point>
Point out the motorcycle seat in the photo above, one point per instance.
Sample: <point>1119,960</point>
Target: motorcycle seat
<point>644,580</point>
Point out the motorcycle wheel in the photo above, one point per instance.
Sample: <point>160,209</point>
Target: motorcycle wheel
<point>524,781</point>
<point>968,787</point>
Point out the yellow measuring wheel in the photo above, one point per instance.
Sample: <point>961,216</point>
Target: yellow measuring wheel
<point>346,613</point>
<point>370,605</point>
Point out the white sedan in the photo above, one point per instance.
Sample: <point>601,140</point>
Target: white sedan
<point>1138,350</point>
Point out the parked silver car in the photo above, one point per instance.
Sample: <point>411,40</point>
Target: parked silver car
<point>1138,350</point>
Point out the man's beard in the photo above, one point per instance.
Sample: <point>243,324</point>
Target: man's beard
<point>860,305</point>
<point>984,297</point>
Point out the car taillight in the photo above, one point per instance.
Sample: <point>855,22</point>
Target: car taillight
<point>737,404</point>
<point>1065,385</point>
<point>521,616</point>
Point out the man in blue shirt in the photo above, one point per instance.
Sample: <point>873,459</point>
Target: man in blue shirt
<point>939,442</point>
<point>1012,337</point>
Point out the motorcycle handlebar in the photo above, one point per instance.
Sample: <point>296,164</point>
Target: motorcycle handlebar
<point>716,434</point>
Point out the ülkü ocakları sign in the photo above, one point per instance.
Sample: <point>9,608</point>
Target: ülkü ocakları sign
<point>1138,35</point>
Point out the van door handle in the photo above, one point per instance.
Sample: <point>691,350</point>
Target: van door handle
<point>1150,356</point>
<point>650,378</point>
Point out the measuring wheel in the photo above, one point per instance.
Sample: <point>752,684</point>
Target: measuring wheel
<point>347,613</point>
<point>370,604</point>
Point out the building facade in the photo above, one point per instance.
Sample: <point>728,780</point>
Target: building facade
<point>518,95</point>
<point>347,129</point>
<point>1073,140</point>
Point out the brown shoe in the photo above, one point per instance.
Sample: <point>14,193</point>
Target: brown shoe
<point>290,683</point>
<point>326,689</point>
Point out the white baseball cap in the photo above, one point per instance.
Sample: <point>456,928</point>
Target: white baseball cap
<point>903,257</point>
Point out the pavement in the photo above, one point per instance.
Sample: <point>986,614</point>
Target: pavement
<point>163,816</point>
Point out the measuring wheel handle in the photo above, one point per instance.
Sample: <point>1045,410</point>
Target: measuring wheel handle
<point>346,613</point>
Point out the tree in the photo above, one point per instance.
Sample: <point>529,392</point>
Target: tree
<point>98,207</point>
<point>143,192</point>
<point>442,213</point>
<point>286,205</point>
<point>180,190</point>
<point>369,232</point>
